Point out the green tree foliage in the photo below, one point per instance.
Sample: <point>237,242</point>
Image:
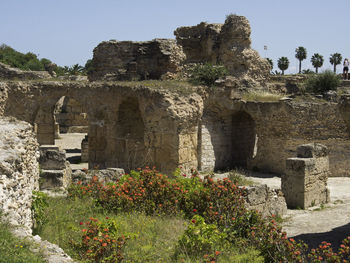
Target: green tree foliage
<point>28,61</point>
<point>323,82</point>
<point>270,62</point>
<point>283,64</point>
<point>76,69</point>
<point>317,61</point>
<point>88,66</point>
<point>300,54</point>
<point>335,59</point>
<point>207,74</point>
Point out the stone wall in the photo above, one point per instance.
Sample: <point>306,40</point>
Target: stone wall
<point>71,116</point>
<point>6,72</point>
<point>193,129</point>
<point>127,60</point>
<point>277,128</point>
<point>19,171</point>
<point>227,44</point>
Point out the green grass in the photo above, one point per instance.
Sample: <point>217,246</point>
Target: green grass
<point>152,239</point>
<point>14,250</point>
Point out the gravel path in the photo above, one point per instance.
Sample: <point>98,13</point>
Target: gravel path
<point>330,222</point>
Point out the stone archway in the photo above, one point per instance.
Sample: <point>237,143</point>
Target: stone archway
<point>226,141</point>
<point>243,139</point>
<point>130,148</point>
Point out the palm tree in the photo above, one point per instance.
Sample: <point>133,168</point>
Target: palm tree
<point>317,61</point>
<point>335,59</point>
<point>270,62</point>
<point>75,69</point>
<point>283,64</point>
<point>300,54</point>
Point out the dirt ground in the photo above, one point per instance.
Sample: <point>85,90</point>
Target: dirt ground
<point>330,222</point>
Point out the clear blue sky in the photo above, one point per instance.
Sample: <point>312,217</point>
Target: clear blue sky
<point>66,32</point>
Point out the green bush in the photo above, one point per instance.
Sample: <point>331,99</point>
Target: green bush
<point>323,82</point>
<point>201,240</point>
<point>39,204</point>
<point>207,74</point>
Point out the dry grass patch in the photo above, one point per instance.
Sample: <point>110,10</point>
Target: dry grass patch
<point>261,96</point>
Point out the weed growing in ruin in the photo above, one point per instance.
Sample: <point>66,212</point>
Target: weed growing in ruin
<point>39,204</point>
<point>323,82</point>
<point>207,74</point>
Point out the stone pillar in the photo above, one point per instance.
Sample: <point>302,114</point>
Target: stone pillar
<point>304,183</point>
<point>85,150</point>
<point>56,172</point>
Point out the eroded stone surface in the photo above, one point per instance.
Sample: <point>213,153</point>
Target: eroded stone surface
<point>127,60</point>
<point>227,44</point>
<point>6,72</point>
<point>19,170</point>
<point>305,182</point>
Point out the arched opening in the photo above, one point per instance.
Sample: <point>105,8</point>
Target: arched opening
<point>243,139</point>
<point>225,141</point>
<point>71,129</point>
<point>130,135</point>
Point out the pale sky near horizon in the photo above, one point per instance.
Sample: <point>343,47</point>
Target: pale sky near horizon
<point>66,32</point>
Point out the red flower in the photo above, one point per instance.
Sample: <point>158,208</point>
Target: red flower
<point>104,244</point>
<point>81,223</point>
<point>193,221</point>
<point>217,253</point>
<point>195,210</point>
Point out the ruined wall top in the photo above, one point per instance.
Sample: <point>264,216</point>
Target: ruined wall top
<point>227,44</point>
<point>127,60</point>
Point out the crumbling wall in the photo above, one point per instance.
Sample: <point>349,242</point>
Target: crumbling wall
<point>19,170</point>
<point>71,116</point>
<point>6,72</point>
<point>227,44</point>
<point>127,60</point>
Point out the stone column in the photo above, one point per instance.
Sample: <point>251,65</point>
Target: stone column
<point>304,183</point>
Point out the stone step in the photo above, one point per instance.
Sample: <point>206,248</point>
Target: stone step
<point>346,83</point>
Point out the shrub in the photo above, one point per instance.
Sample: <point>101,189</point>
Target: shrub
<point>201,240</point>
<point>207,74</point>
<point>39,203</point>
<point>100,242</point>
<point>323,82</point>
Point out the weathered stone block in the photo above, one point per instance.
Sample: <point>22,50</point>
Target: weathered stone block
<point>51,158</point>
<point>312,150</point>
<point>304,183</point>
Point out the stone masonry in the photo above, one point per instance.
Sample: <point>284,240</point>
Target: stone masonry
<point>227,44</point>
<point>127,60</point>
<point>55,170</point>
<point>304,183</point>
<point>19,171</point>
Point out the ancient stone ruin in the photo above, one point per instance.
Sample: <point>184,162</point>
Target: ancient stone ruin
<point>227,44</point>
<point>131,124</point>
<point>305,182</point>
<point>127,60</point>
